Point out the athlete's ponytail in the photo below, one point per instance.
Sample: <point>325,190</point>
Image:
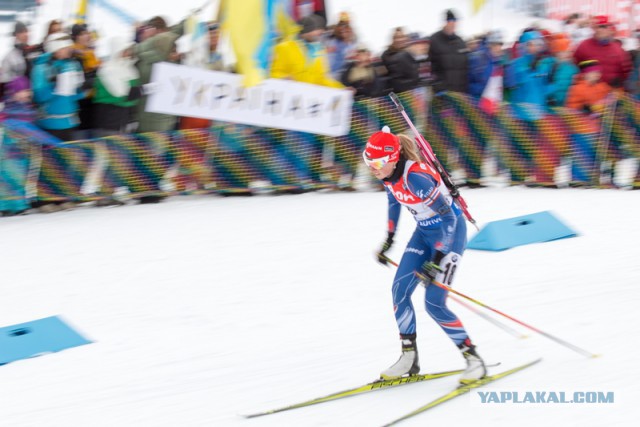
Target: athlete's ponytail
<point>409,148</point>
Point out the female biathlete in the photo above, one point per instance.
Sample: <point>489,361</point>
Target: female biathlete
<point>435,249</point>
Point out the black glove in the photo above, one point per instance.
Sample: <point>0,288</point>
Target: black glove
<point>382,259</point>
<point>431,269</point>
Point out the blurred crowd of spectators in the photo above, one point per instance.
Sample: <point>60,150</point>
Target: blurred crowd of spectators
<point>61,86</point>
<point>576,68</point>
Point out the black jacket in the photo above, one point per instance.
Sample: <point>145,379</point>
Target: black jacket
<point>449,62</point>
<point>404,71</point>
<point>378,86</point>
<point>114,117</point>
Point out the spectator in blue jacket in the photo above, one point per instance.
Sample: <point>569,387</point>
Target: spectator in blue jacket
<point>530,71</point>
<point>340,47</point>
<point>562,71</point>
<point>483,60</point>
<point>480,66</point>
<point>14,159</point>
<point>492,92</point>
<point>20,137</point>
<point>58,85</point>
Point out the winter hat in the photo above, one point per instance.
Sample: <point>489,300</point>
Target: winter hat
<point>344,17</point>
<point>311,23</point>
<point>382,144</point>
<point>601,21</point>
<point>590,66</point>
<point>16,85</point>
<point>530,36</point>
<point>20,28</point>
<point>545,33</point>
<point>77,30</point>
<point>361,47</point>
<point>560,42</point>
<point>57,41</point>
<point>450,16</point>
<point>417,38</point>
<point>495,37</point>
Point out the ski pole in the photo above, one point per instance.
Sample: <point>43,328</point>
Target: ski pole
<point>533,328</point>
<point>486,317</point>
<point>428,153</point>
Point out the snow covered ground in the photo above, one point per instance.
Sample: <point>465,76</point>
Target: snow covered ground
<point>204,308</point>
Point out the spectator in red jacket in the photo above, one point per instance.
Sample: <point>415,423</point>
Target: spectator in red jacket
<point>613,59</point>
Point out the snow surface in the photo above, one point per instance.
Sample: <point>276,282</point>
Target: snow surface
<point>203,308</point>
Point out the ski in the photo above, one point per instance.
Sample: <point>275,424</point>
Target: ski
<point>462,390</point>
<point>372,386</point>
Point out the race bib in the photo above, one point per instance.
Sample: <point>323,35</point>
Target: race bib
<point>449,265</point>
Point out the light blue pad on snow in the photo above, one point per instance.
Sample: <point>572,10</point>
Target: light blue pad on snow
<point>518,231</point>
<point>36,338</point>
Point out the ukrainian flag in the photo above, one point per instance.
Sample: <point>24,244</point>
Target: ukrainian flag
<point>197,32</point>
<point>253,28</point>
<point>81,13</point>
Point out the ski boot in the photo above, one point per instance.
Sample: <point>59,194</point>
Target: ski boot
<point>408,364</point>
<point>475,365</point>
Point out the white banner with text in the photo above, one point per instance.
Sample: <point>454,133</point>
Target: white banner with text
<point>193,92</point>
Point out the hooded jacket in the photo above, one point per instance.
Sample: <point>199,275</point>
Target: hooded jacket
<point>57,89</point>
<point>530,74</point>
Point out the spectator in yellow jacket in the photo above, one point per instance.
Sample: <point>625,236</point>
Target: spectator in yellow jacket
<point>304,59</point>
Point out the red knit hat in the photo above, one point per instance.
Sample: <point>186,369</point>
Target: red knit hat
<point>601,20</point>
<point>382,144</point>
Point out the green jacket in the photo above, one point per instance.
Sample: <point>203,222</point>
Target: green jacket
<point>103,96</point>
<point>151,51</point>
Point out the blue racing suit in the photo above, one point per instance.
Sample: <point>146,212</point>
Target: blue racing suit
<point>441,227</point>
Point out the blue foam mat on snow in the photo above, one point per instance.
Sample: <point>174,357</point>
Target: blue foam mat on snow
<point>36,338</point>
<point>522,230</point>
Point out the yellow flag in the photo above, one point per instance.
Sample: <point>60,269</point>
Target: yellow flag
<point>244,22</point>
<point>81,14</point>
<point>477,5</point>
<point>285,24</point>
